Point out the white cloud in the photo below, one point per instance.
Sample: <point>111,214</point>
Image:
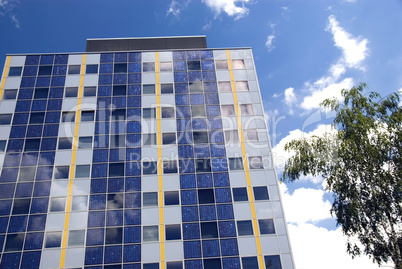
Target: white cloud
<point>7,8</point>
<point>229,7</point>
<point>176,7</point>
<point>290,97</point>
<point>269,43</point>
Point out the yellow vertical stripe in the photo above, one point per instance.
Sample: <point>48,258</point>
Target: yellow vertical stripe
<point>72,167</point>
<point>5,74</point>
<point>245,161</point>
<point>160,168</point>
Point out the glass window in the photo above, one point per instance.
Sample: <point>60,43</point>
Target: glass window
<point>193,65</point>
<point>119,114</point>
<point>209,230</point>
<point>89,91</point>
<point>71,92</point>
<point>150,233</point>
<point>240,194</point>
<point>273,262</point>
<point>53,239</point>
<point>198,111</point>
<point>61,172</point>
<point>5,119</point>
<point>91,69</point>
<point>57,204</point>
<point>266,226</point>
<point>246,109</point>
<point>87,115</point>
<point>228,110</point>
<point>167,88</point>
<point>3,145</point>
<point>221,64</point>
<point>21,206</point>
<point>120,68</point>
<point>82,171</point>
<point>173,232</point>
<point>37,118</point>
<point>114,235</point>
<point>171,198</point>
<point>260,193</point>
<point>65,143</point>
<point>165,66</point>
<point>119,90</point>
<point>149,139</point>
<point>255,162</point>
<point>244,227</point>
<point>200,137</point>
<point>149,113</point>
<point>14,242</point>
<point>85,142</point>
<point>168,138</point>
<point>76,238</point>
<point>196,87</point>
<point>74,69</point>
<point>148,67</point>
<point>236,163</point>
<point>117,141</point>
<point>250,135</point>
<point>116,169</point>
<point>148,89</point>
<point>249,262</point>
<point>10,94</point>
<point>32,144</point>
<point>80,203</point>
<point>115,200</point>
<point>206,196</point>
<point>238,64</point>
<point>41,93</point>
<point>26,174</point>
<point>68,117</point>
<point>168,112</point>
<point>231,136</point>
<point>150,266</point>
<point>224,86</point>
<point>45,70</point>
<point>15,71</point>
<point>203,165</point>
<point>174,265</point>
<point>169,167</point>
<point>241,86</point>
<point>149,168</point>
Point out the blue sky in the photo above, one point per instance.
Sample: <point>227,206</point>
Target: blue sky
<point>304,51</point>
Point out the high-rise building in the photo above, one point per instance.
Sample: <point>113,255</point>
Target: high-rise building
<point>139,153</point>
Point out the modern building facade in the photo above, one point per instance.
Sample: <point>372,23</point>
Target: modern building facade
<point>139,153</point>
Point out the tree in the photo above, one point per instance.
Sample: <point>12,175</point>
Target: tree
<point>361,162</point>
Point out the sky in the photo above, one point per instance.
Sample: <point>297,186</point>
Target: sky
<point>304,51</point>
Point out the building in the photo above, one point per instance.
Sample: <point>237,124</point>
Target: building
<point>139,153</point>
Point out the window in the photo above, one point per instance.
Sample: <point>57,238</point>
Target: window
<point>241,86</point>
<point>150,233</point>
<point>45,70</point>
<point>150,266</point>
<point>57,204</point>
<point>206,196</point>
<point>15,71</point>
<point>117,141</point>
<point>115,201</point>
<point>266,226</point>
<point>260,193</point>
<point>231,136</point>
<point>240,194</point>
<point>65,142</point>
<point>118,114</point>
<point>169,167</point>
<point>88,115</point>
<point>91,69</point>
<point>249,262</point>
<point>236,163</point>
<point>209,230</point>
<point>89,91</point>
<point>68,117</point>
<point>255,162</point>
<point>119,90</point>
<point>222,64</point>
<point>200,137</point>
<point>37,118</point>
<point>171,198</point>
<point>174,265</point>
<point>149,168</point>
<point>80,203</point>
<point>148,89</point>
<point>224,86</point>
<point>61,172</point>
<point>41,93</point>
<point>120,68</point>
<point>149,139</point>
<point>149,113</point>
<point>238,64</point>
<point>167,112</point>
<point>85,142</point>
<point>250,135</point>
<point>193,65</point>
<point>150,199</point>
<point>196,87</point>
<point>74,69</point>
<point>168,138</point>
<point>244,227</point>
<point>53,240</point>
<point>26,174</point>
<point>10,94</point>
<point>148,67</point>
<point>3,145</point>
<point>198,111</point>
<point>167,88</point>
<point>246,109</point>
<point>165,66</point>
<point>82,171</point>
<point>32,144</point>
<point>114,235</point>
<point>76,238</point>
<point>273,262</point>
<point>5,119</point>
<point>71,92</point>
<point>14,242</point>
<point>228,110</point>
<point>21,206</point>
<point>116,169</point>
<point>173,232</point>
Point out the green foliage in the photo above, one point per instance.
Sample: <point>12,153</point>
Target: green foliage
<point>362,164</point>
